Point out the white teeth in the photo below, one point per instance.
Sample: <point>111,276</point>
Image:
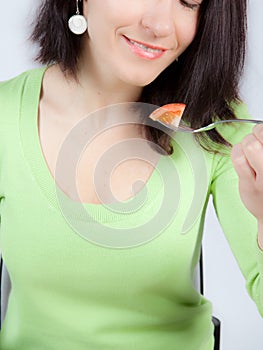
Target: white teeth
<point>146,48</point>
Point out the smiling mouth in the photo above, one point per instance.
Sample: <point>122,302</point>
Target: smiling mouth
<point>145,50</point>
<point>145,46</point>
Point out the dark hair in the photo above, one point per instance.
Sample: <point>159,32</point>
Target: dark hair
<point>205,78</point>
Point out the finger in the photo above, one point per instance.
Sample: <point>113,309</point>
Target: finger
<point>253,151</point>
<point>241,165</point>
<point>258,132</point>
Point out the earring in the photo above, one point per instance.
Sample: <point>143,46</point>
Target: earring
<point>77,23</point>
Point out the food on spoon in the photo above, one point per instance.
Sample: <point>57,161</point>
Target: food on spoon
<point>170,114</point>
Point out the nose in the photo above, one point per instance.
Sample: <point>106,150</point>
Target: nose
<point>160,19</point>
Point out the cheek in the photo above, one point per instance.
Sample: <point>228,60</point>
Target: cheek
<point>186,34</point>
<point>110,11</point>
<point>185,39</point>
<point>103,22</point>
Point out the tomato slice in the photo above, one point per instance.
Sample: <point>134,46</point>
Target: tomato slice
<point>169,114</point>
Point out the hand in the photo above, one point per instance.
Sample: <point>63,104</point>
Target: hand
<point>247,158</point>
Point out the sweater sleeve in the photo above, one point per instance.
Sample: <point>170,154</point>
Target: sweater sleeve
<point>238,224</point>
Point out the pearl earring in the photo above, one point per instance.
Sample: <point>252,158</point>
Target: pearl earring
<point>77,23</point>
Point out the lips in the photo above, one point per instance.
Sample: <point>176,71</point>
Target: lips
<point>145,50</point>
<point>153,47</point>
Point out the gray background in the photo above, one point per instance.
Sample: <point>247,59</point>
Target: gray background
<point>224,285</point>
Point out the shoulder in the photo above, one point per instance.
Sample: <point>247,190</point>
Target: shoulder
<point>12,92</point>
<point>14,86</point>
<point>235,132</point>
<point>218,158</point>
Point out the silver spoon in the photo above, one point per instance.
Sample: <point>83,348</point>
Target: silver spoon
<point>182,128</point>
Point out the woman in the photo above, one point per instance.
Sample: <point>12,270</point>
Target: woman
<point>134,287</point>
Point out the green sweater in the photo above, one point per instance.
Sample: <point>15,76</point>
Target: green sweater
<point>112,277</point>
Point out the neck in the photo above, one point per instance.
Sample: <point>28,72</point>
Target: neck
<point>75,99</point>
<point>101,86</point>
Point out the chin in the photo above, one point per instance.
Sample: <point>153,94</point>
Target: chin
<point>141,82</point>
